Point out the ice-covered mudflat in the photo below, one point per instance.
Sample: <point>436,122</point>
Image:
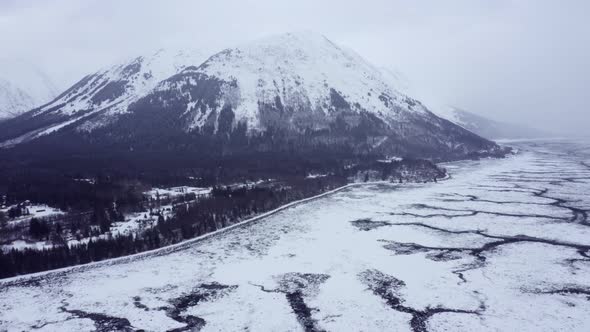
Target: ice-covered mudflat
<point>503,245</point>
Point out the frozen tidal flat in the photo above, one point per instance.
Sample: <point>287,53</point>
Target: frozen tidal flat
<point>503,245</point>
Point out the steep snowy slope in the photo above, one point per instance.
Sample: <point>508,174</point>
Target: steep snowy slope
<point>22,88</point>
<point>116,87</point>
<point>309,71</point>
<point>294,73</point>
<point>399,81</point>
<point>102,95</point>
<point>13,100</point>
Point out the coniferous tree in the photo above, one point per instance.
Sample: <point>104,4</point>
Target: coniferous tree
<point>3,220</point>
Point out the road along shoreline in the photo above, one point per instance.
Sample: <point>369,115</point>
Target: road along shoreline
<point>34,277</point>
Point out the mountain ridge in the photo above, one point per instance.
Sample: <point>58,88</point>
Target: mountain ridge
<point>290,89</point>
<point>109,90</point>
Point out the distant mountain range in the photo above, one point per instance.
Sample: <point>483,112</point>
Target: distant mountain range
<point>22,88</point>
<point>291,92</point>
<point>488,128</point>
<point>484,126</point>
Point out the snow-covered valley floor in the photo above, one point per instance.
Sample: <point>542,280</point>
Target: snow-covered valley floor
<point>503,245</point>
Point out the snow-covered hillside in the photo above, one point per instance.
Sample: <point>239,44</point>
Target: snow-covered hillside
<point>22,88</point>
<point>113,89</point>
<point>303,70</point>
<point>100,96</point>
<point>399,81</point>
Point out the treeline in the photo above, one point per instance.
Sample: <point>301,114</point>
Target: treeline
<point>109,196</point>
<point>224,207</point>
<point>406,170</point>
<point>79,225</point>
<point>83,183</point>
<point>71,193</point>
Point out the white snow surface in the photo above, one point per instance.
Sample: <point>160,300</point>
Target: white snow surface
<point>77,102</point>
<point>21,245</point>
<point>153,69</point>
<point>453,114</point>
<point>331,253</point>
<point>171,192</point>
<point>301,68</point>
<point>35,211</point>
<point>23,87</point>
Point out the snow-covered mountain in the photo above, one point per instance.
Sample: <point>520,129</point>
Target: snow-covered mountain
<point>398,80</point>
<point>486,127</point>
<point>298,80</point>
<point>305,71</point>
<point>294,88</point>
<point>107,92</point>
<point>113,89</point>
<point>299,83</point>
<point>22,88</point>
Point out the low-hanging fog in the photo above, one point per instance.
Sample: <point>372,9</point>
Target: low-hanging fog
<point>522,61</point>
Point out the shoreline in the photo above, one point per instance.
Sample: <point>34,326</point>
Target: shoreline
<point>31,277</point>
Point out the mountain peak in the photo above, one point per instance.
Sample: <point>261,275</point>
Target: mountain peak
<point>298,84</point>
<point>115,87</point>
<point>297,39</point>
<point>307,65</point>
<point>304,46</point>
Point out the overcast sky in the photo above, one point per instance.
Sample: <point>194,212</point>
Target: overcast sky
<point>524,61</point>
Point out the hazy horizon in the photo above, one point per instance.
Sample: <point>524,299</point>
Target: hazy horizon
<point>519,61</point>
